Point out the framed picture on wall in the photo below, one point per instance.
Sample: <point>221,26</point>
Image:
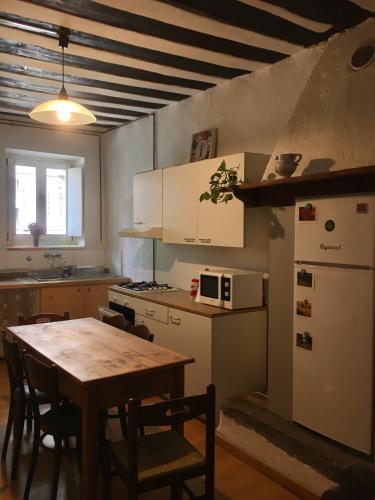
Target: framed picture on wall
<point>203,145</point>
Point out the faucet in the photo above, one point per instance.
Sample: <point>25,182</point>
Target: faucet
<point>52,256</point>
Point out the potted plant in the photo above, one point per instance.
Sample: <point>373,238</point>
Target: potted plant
<point>36,230</point>
<point>221,184</point>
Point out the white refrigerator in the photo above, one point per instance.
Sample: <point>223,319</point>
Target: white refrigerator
<point>334,281</point>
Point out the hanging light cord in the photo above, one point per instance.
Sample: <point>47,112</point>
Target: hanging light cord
<point>63,42</point>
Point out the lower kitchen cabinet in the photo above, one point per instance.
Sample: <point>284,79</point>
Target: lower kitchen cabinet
<point>229,350</point>
<point>81,301</point>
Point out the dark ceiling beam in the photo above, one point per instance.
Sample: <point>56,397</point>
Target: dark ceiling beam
<point>90,96</point>
<point>339,13</point>
<point>124,49</point>
<point>43,54</point>
<point>122,114</point>
<point>249,17</point>
<point>25,119</point>
<point>16,101</point>
<point>89,82</point>
<point>100,13</point>
<point>10,101</point>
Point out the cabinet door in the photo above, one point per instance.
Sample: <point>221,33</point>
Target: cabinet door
<point>190,334</point>
<point>94,296</point>
<point>160,331</point>
<point>147,201</point>
<point>180,204</point>
<point>221,224</point>
<point>64,298</point>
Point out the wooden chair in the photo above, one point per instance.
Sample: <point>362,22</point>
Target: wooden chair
<point>42,318</point>
<point>113,318</point>
<point>20,406</point>
<point>62,421</point>
<point>165,458</point>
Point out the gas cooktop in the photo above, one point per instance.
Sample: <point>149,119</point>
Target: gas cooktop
<point>146,287</point>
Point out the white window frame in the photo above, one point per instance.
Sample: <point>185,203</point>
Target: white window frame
<point>41,164</point>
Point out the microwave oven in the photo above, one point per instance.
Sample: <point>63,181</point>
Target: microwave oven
<point>231,289</point>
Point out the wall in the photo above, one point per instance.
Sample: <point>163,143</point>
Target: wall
<point>250,113</point>
<point>125,152</point>
<point>334,121</point>
<point>65,143</point>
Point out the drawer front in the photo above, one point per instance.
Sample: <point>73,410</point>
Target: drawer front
<point>143,307</point>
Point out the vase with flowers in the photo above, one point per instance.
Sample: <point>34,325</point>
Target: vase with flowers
<point>36,230</point>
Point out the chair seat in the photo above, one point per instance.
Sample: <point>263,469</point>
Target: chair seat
<point>41,396</point>
<point>70,421</point>
<point>160,454</point>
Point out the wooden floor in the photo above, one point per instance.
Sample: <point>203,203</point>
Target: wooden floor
<point>234,479</point>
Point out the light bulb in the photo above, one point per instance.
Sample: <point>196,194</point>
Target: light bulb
<point>63,114</point>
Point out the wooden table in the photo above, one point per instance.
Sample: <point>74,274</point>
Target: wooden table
<point>100,367</point>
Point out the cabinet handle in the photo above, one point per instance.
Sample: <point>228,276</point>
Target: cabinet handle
<point>78,290</point>
<point>189,240</point>
<point>140,322</point>
<point>88,289</point>
<point>137,222</point>
<point>205,240</point>
<point>175,321</point>
<point>149,312</point>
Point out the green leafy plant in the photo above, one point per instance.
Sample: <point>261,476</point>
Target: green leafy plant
<point>221,184</point>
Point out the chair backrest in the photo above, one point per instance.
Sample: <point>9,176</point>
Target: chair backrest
<point>118,321</point>
<point>141,331</point>
<point>171,413</point>
<point>42,318</point>
<point>356,482</point>
<point>42,378</point>
<point>13,362</point>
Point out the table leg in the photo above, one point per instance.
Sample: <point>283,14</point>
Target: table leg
<point>178,391</point>
<point>90,420</point>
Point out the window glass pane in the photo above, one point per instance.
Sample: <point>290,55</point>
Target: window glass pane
<point>25,198</point>
<point>56,200</point>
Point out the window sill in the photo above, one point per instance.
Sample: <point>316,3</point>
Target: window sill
<point>48,247</point>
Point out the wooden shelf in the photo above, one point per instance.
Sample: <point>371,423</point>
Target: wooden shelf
<point>283,192</point>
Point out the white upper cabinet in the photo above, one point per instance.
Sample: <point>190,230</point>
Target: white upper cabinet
<point>187,221</point>
<point>222,224</point>
<point>147,199</point>
<point>180,204</point>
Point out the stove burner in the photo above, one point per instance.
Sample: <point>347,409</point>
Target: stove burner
<point>146,286</point>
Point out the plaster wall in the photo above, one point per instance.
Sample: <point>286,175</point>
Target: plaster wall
<point>64,143</point>
<point>333,122</point>
<point>125,152</point>
<point>250,113</point>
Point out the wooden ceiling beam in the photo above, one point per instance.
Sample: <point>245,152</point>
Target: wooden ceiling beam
<point>145,54</point>
<point>33,100</point>
<point>100,13</point>
<point>17,102</point>
<point>90,96</point>
<point>43,54</point>
<point>89,82</point>
<point>248,17</point>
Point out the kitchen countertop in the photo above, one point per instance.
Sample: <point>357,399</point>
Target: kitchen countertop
<point>79,280</point>
<point>180,299</point>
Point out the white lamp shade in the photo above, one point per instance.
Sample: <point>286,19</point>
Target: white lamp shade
<point>62,112</point>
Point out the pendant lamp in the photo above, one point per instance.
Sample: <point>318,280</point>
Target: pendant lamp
<point>62,111</point>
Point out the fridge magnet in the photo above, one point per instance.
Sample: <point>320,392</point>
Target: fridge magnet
<point>307,213</point>
<point>362,208</point>
<point>305,278</point>
<point>304,340</point>
<point>304,308</point>
<point>203,145</point>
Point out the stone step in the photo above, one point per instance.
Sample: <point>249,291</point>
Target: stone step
<point>306,458</point>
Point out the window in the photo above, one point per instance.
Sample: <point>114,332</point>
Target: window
<point>47,190</point>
